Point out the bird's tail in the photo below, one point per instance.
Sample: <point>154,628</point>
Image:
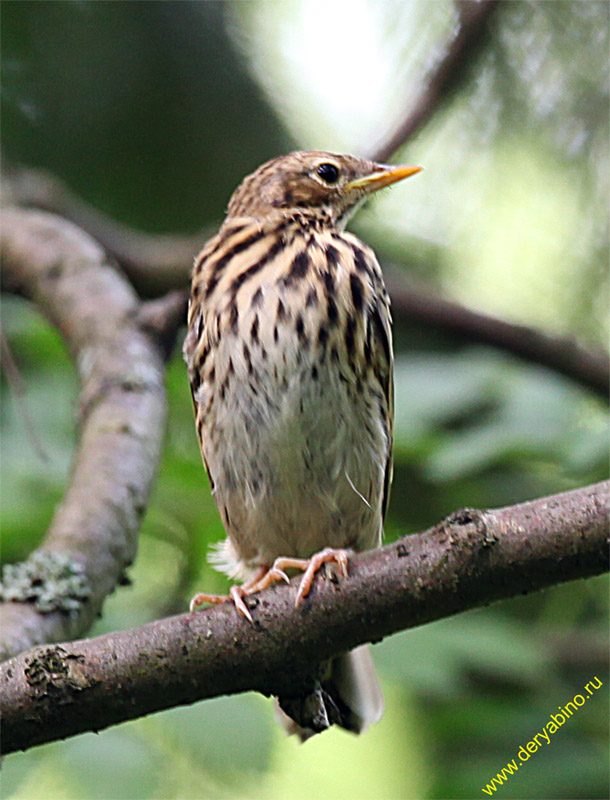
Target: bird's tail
<point>349,695</point>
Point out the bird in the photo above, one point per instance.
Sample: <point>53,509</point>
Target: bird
<point>290,362</point>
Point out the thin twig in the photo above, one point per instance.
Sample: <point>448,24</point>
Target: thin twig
<point>448,76</point>
<point>590,368</point>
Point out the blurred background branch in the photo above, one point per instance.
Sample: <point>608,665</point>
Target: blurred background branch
<point>159,263</point>
<point>453,69</point>
<point>470,559</point>
<point>154,263</point>
<point>589,368</point>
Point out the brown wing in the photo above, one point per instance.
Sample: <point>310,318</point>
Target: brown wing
<point>378,341</point>
<point>197,342</point>
<point>382,359</point>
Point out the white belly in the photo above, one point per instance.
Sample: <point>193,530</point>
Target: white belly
<point>301,472</point>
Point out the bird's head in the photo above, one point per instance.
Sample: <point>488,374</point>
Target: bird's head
<point>315,185</point>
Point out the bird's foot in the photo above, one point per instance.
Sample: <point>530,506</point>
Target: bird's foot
<point>266,576</point>
<point>310,567</point>
<point>236,596</point>
<point>261,579</point>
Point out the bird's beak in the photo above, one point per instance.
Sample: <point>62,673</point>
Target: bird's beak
<point>383,175</point>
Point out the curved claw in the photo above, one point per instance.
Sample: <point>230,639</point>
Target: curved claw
<point>237,595</point>
<point>261,579</point>
<point>329,554</point>
<point>276,574</point>
<point>283,575</point>
<point>201,599</point>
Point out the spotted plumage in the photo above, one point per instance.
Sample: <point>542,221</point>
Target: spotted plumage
<point>289,353</point>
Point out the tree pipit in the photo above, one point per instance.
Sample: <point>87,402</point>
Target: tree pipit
<point>289,353</point>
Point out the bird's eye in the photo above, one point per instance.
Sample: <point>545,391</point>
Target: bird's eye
<point>328,172</point>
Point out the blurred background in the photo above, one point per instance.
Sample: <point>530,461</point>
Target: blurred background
<point>153,112</point>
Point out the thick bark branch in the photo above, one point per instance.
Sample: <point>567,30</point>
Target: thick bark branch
<point>470,559</point>
<point>156,264</point>
<point>448,75</point>
<point>121,420</point>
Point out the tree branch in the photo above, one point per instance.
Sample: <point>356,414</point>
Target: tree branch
<point>92,537</point>
<point>157,264</point>
<point>450,73</point>
<point>470,559</point>
<point>590,368</point>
